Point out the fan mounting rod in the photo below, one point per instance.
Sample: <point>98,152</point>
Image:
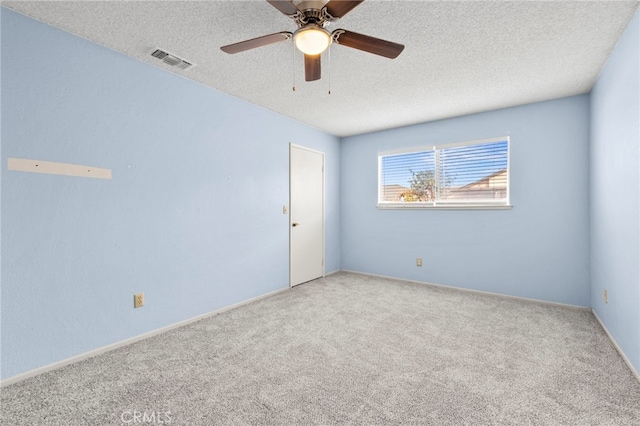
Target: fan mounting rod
<point>309,4</point>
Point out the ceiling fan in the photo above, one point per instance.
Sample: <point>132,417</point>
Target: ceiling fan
<point>312,38</point>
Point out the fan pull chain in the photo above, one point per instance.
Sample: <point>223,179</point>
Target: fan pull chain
<point>329,63</point>
<point>293,66</point>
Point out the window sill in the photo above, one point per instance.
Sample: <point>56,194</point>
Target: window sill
<point>423,206</point>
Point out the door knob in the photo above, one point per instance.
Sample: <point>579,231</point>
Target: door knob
<point>295,224</point>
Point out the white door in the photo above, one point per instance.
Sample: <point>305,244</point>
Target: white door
<point>306,238</point>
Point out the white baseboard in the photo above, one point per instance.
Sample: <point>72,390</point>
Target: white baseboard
<point>469,290</point>
<point>615,345</point>
<point>104,349</point>
<point>108,348</point>
<point>582,308</point>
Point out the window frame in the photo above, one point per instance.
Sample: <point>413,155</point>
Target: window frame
<point>503,204</point>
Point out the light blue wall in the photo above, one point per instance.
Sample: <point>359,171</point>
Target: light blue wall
<point>615,193</point>
<point>192,217</point>
<point>539,249</point>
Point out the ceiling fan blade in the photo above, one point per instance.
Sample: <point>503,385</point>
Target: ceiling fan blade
<point>284,6</point>
<point>339,8</point>
<point>256,42</point>
<point>311,67</point>
<point>367,43</point>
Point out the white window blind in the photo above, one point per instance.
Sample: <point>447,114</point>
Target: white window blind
<point>469,174</point>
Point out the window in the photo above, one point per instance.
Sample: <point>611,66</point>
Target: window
<point>463,175</point>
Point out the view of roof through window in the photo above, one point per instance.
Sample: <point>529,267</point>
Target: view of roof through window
<point>472,173</point>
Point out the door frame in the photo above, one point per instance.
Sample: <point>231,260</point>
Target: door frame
<point>291,147</point>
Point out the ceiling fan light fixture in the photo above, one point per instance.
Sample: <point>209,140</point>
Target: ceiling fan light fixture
<point>312,40</point>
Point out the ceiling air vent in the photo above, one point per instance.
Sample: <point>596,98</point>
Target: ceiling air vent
<point>172,60</point>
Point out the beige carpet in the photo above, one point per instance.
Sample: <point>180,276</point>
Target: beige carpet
<point>350,349</point>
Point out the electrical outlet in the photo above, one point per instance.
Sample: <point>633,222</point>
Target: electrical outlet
<point>284,209</point>
<point>138,300</point>
<point>419,261</point>
<point>605,296</point>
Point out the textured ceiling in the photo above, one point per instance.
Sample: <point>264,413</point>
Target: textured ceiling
<point>460,57</point>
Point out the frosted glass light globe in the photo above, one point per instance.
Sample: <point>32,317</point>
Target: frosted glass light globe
<point>312,40</point>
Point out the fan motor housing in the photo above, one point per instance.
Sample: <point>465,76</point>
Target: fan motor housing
<point>312,12</point>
